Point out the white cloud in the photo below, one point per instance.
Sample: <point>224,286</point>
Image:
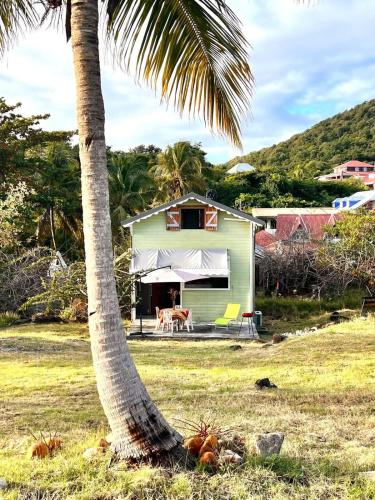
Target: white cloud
<point>309,62</point>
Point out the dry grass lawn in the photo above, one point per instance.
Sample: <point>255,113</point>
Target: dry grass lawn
<point>325,405</point>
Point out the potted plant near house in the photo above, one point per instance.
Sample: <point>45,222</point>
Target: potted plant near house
<point>173,294</point>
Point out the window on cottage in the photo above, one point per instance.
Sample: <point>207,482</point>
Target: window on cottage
<point>208,283</point>
<point>192,218</point>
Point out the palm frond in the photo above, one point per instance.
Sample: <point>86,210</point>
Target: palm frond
<point>16,17</point>
<point>193,49</point>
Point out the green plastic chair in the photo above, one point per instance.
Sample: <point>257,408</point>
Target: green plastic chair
<point>231,314</point>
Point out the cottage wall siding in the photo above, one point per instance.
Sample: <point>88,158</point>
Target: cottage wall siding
<point>232,234</point>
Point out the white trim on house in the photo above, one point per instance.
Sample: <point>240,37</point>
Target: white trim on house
<point>252,270</point>
<point>195,197</point>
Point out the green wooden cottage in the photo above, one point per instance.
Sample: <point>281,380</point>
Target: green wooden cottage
<point>197,235</point>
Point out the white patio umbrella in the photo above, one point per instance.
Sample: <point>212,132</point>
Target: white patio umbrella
<point>170,276</point>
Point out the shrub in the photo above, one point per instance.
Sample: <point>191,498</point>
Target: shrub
<point>287,307</point>
<point>77,311</point>
<point>64,293</point>
<point>8,318</point>
<point>297,307</point>
<point>21,276</point>
<point>61,291</point>
<point>67,314</point>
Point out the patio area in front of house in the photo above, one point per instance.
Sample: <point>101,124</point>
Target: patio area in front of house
<point>202,331</point>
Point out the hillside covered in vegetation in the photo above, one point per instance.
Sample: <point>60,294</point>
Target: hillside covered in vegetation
<point>345,136</point>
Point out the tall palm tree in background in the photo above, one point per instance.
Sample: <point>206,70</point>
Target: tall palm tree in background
<point>131,187</point>
<point>195,51</point>
<point>179,170</point>
<point>56,180</point>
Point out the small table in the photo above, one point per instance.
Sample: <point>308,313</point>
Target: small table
<point>179,314</point>
<point>250,323</point>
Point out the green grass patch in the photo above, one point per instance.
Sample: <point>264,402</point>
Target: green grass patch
<point>324,405</point>
<point>306,311</point>
<point>8,318</point>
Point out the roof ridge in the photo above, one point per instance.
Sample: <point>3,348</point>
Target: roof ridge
<point>186,197</point>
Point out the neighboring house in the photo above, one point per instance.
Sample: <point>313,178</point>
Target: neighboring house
<point>300,226</point>
<point>304,228</point>
<point>241,168</point>
<point>361,199</point>
<point>269,215</point>
<point>201,236</point>
<point>353,168</point>
<point>265,240</point>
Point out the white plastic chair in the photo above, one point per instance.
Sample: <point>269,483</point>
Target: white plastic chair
<point>188,322</point>
<point>157,323</point>
<point>169,322</point>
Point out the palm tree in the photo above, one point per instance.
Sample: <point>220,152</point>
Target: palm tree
<point>298,172</point>
<point>131,187</point>
<point>56,182</point>
<point>196,51</point>
<point>179,170</point>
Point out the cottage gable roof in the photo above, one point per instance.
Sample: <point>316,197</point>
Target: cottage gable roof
<point>195,197</point>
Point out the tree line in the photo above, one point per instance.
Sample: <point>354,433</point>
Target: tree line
<point>40,191</point>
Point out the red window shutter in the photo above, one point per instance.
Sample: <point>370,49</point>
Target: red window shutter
<point>173,219</point>
<point>211,219</point>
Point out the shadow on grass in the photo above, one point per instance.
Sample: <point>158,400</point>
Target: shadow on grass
<point>39,345</point>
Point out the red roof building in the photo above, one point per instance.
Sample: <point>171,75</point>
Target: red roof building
<point>265,239</point>
<point>353,168</point>
<point>295,228</point>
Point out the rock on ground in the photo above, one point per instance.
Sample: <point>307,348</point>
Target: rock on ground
<point>265,383</point>
<point>370,475</point>
<point>91,453</point>
<point>3,484</point>
<point>269,444</point>
<point>231,457</point>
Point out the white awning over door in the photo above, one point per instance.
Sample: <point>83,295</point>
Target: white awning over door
<point>205,261</point>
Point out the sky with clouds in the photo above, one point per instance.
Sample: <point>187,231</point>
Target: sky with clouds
<point>309,63</point>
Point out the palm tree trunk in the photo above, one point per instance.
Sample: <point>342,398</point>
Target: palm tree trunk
<point>138,428</point>
<point>52,226</point>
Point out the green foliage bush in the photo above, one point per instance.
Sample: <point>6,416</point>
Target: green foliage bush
<point>22,275</point>
<point>297,307</point>
<point>8,318</point>
<point>346,256</point>
<point>64,293</point>
<point>60,290</point>
<point>273,187</point>
<point>67,314</point>
<point>287,307</point>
